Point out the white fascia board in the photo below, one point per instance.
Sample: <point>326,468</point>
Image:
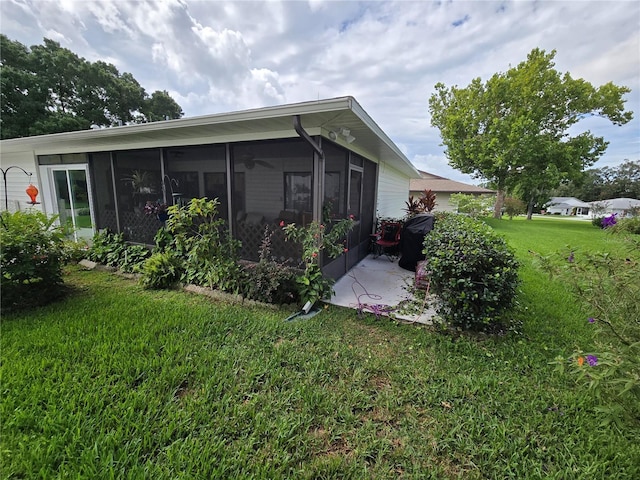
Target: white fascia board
<point>132,136</point>
<point>88,146</point>
<point>321,106</point>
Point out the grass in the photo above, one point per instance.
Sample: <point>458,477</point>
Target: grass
<point>119,382</point>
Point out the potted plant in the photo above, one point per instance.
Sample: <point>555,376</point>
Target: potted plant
<point>141,182</point>
<point>157,208</point>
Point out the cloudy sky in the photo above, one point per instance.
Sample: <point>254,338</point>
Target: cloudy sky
<point>215,56</point>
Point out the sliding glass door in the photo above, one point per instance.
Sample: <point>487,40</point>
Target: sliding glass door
<point>69,194</point>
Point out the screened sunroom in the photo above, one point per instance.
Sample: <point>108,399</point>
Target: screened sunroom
<point>320,161</point>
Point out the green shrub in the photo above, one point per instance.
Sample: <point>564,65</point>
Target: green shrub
<point>107,248</point>
<point>161,270</point>
<point>597,221</point>
<point>111,249</point>
<point>626,225</point>
<point>514,206</point>
<point>75,251</point>
<point>472,270</point>
<point>197,236</point>
<point>134,258</point>
<point>31,259</point>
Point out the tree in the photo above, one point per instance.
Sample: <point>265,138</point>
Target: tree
<point>627,180</point>
<point>20,102</point>
<point>160,106</point>
<point>513,129</point>
<point>475,206</point>
<point>50,89</point>
<point>513,206</point>
<point>604,183</point>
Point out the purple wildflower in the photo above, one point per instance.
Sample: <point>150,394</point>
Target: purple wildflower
<point>571,258</point>
<point>609,221</point>
<point>592,360</point>
<point>591,320</point>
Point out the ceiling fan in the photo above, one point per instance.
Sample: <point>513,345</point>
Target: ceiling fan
<point>249,161</point>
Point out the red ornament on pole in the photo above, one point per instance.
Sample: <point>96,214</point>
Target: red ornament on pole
<point>32,191</point>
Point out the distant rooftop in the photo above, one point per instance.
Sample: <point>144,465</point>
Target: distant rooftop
<point>436,183</point>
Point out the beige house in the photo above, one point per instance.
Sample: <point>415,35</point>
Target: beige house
<point>443,188</point>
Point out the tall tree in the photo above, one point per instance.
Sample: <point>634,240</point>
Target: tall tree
<point>604,183</point>
<point>160,106</point>
<point>21,103</point>
<point>50,89</point>
<point>513,129</point>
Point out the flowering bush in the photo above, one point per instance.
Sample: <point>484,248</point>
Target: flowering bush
<point>268,280</point>
<point>31,259</point>
<point>316,238</point>
<point>610,289</point>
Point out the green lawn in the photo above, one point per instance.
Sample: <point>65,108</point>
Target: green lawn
<point>119,382</point>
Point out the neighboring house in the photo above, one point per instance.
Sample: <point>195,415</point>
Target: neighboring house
<point>292,163</point>
<point>622,207</point>
<point>443,188</point>
<point>567,206</point>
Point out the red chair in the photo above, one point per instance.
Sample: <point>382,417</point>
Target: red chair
<point>388,239</point>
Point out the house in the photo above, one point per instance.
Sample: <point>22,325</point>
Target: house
<point>293,163</point>
<point>623,207</point>
<point>443,188</point>
<point>567,206</point>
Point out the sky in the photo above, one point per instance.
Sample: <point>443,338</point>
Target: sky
<point>217,56</point>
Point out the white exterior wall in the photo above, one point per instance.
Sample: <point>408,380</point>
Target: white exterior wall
<point>17,181</point>
<point>393,192</point>
<point>443,203</point>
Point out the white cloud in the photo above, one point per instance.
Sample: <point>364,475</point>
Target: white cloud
<point>220,56</point>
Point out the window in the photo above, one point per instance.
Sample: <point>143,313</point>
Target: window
<point>297,191</point>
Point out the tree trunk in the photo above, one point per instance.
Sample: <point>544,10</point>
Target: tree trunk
<point>497,209</point>
<point>530,208</point>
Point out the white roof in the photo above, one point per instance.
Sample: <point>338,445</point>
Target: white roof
<point>317,118</point>
<point>567,202</point>
<point>619,203</point>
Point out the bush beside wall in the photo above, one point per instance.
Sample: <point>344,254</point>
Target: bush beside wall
<point>473,272</point>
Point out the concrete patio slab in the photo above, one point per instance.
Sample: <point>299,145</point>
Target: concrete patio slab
<point>379,286</point>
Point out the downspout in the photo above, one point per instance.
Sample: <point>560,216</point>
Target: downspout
<point>297,124</point>
<point>318,173</point>
<point>318,168</point>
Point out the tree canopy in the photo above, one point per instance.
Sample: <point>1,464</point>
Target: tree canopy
<point>50,89</point>
<point>604,183</point>
<point>513,130</point>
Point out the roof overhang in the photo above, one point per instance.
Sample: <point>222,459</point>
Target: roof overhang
<point>318,118</point>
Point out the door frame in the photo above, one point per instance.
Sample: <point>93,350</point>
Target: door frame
<point>48,191</point>
<point>353,254</point>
